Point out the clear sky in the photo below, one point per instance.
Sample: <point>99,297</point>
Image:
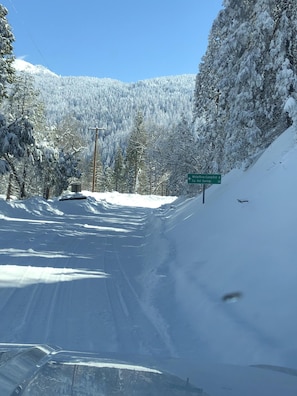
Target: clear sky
<point>128,40</point>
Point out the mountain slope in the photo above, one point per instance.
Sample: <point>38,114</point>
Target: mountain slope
<point>112,103</point>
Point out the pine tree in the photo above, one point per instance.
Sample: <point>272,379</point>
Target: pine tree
<point>251,59</point>
<point>118,171</point>
<point>6,77</point>
<point>108,180</point>
<point>156,170</point>
<point>6,53</point>
<point>23,103</point>
<point>99,174</point>
<point>135,156</point>
<point>181,157</point>
<point>54,170</point>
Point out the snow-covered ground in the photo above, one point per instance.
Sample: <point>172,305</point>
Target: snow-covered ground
<point>160,277</point>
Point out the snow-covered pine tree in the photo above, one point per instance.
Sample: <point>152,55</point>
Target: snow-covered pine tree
<point>54,170</point>
<point>57,157</point>
<point>118,171</point>
<point>251,58</point>
<point>23,103</point>
<point>6,53</point>
<point>156,160</point>
<point>108,180</point>
<point>15,132</point>
<point>23,100</point>
<point>182,157</point>
<point>135,155</point>
<point>99,174</point>
<point>67,169</point>
<point>16,138</point>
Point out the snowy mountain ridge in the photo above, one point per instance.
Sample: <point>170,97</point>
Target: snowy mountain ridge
<point>24,66</point>
<point>21,65</point>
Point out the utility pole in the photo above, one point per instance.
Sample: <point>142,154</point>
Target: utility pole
<point>96,129</point>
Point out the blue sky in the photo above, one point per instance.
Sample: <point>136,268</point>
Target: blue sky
<point>128,40</point>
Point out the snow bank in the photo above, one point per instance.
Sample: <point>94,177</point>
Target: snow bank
<point>241,242</point>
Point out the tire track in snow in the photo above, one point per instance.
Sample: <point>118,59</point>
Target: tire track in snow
<point>32,309</point>
<point>137,328</point>
<point>154,319</point>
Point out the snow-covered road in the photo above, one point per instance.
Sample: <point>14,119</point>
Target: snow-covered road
<point>70,277</point>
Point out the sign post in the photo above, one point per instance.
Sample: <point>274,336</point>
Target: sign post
<point>203,193</point>
<point>204,179</point>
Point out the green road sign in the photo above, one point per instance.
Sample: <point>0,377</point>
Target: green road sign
<point>204,179</point>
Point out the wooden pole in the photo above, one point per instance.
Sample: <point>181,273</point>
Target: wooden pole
<point>95,155</point>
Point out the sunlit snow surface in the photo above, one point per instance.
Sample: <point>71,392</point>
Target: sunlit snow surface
<point>134,200</point>
<point>21,276</point>
<point>202,291</point>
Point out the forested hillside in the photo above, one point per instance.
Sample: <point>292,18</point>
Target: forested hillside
<point>144,124</point>
<point>112,104</point>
